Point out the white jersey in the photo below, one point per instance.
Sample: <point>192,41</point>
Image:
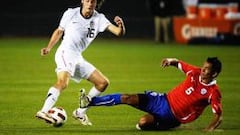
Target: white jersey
<point>79,32</point>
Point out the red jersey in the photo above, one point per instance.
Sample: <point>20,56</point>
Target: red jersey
<point>191,97</point>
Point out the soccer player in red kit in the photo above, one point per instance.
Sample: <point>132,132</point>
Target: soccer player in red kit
<point>198,90</point>
<point>183,104</point>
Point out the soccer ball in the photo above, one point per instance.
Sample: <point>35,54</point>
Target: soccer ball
<point>59,115</point>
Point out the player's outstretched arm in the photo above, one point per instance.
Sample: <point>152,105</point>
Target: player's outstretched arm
<point>57,34</point>
<point>216,121</point>
<point>118,30</point>
<point>169,62</point>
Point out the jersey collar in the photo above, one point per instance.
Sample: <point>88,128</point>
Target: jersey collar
<point>213,82</point>
<point>83,16</point>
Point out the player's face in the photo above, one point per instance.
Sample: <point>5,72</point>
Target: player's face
<point>89,5</point>
<point>206,71</point>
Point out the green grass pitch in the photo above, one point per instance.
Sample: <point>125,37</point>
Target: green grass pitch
<point>132,66</point>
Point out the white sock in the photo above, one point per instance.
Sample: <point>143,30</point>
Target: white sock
<point>81,111</point>
<point>51,99</point>
<point>94,92</point>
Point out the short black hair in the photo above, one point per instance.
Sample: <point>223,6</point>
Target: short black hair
<point>216,64</point>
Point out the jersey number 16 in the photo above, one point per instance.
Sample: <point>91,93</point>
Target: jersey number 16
<point>90,33</point>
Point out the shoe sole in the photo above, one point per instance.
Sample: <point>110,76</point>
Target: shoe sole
<point>78,119</point>
<point>47,120</point>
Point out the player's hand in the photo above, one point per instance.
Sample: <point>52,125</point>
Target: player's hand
<point>44,51</point>
<point>118,20</point>
<point>169,61</point>
<point>165,63</point>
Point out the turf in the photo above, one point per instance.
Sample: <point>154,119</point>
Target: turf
<point>132,66</point>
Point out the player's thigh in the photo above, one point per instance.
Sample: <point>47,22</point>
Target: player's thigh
<point>98,78</point>
<point>89,72</point>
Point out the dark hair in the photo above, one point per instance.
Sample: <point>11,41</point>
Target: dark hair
<point>99,4</point>
<point>216,64</point>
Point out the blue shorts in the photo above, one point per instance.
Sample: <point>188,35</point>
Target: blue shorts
<point>157,105</point>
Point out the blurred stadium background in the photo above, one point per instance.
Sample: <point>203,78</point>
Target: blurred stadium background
<point>40,18</point>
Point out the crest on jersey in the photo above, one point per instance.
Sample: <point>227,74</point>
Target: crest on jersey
<point>203,91</point>
<point>92,24</point>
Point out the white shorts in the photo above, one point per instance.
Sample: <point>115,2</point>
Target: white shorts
<point>74,64</point>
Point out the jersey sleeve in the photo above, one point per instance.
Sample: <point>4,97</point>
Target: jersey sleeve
<point>216,102</point>
<point>185,67</point>
<point>103,23</point>
<point>67,15</point>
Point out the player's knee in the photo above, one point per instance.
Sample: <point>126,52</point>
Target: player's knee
<point>146,124</point>
<point>61,84</point>
<point>142,122</point>
<point>102,85</point>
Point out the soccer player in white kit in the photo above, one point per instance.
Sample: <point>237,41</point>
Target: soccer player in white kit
<point>79,27</point>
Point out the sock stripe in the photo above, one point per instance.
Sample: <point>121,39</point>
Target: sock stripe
<point>106,102</point>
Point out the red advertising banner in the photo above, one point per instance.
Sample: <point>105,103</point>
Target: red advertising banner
<point>185,29</point>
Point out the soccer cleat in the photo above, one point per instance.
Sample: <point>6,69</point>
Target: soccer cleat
<point>44,116</point>
<point>84,100</point>
<point>83,120</point>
